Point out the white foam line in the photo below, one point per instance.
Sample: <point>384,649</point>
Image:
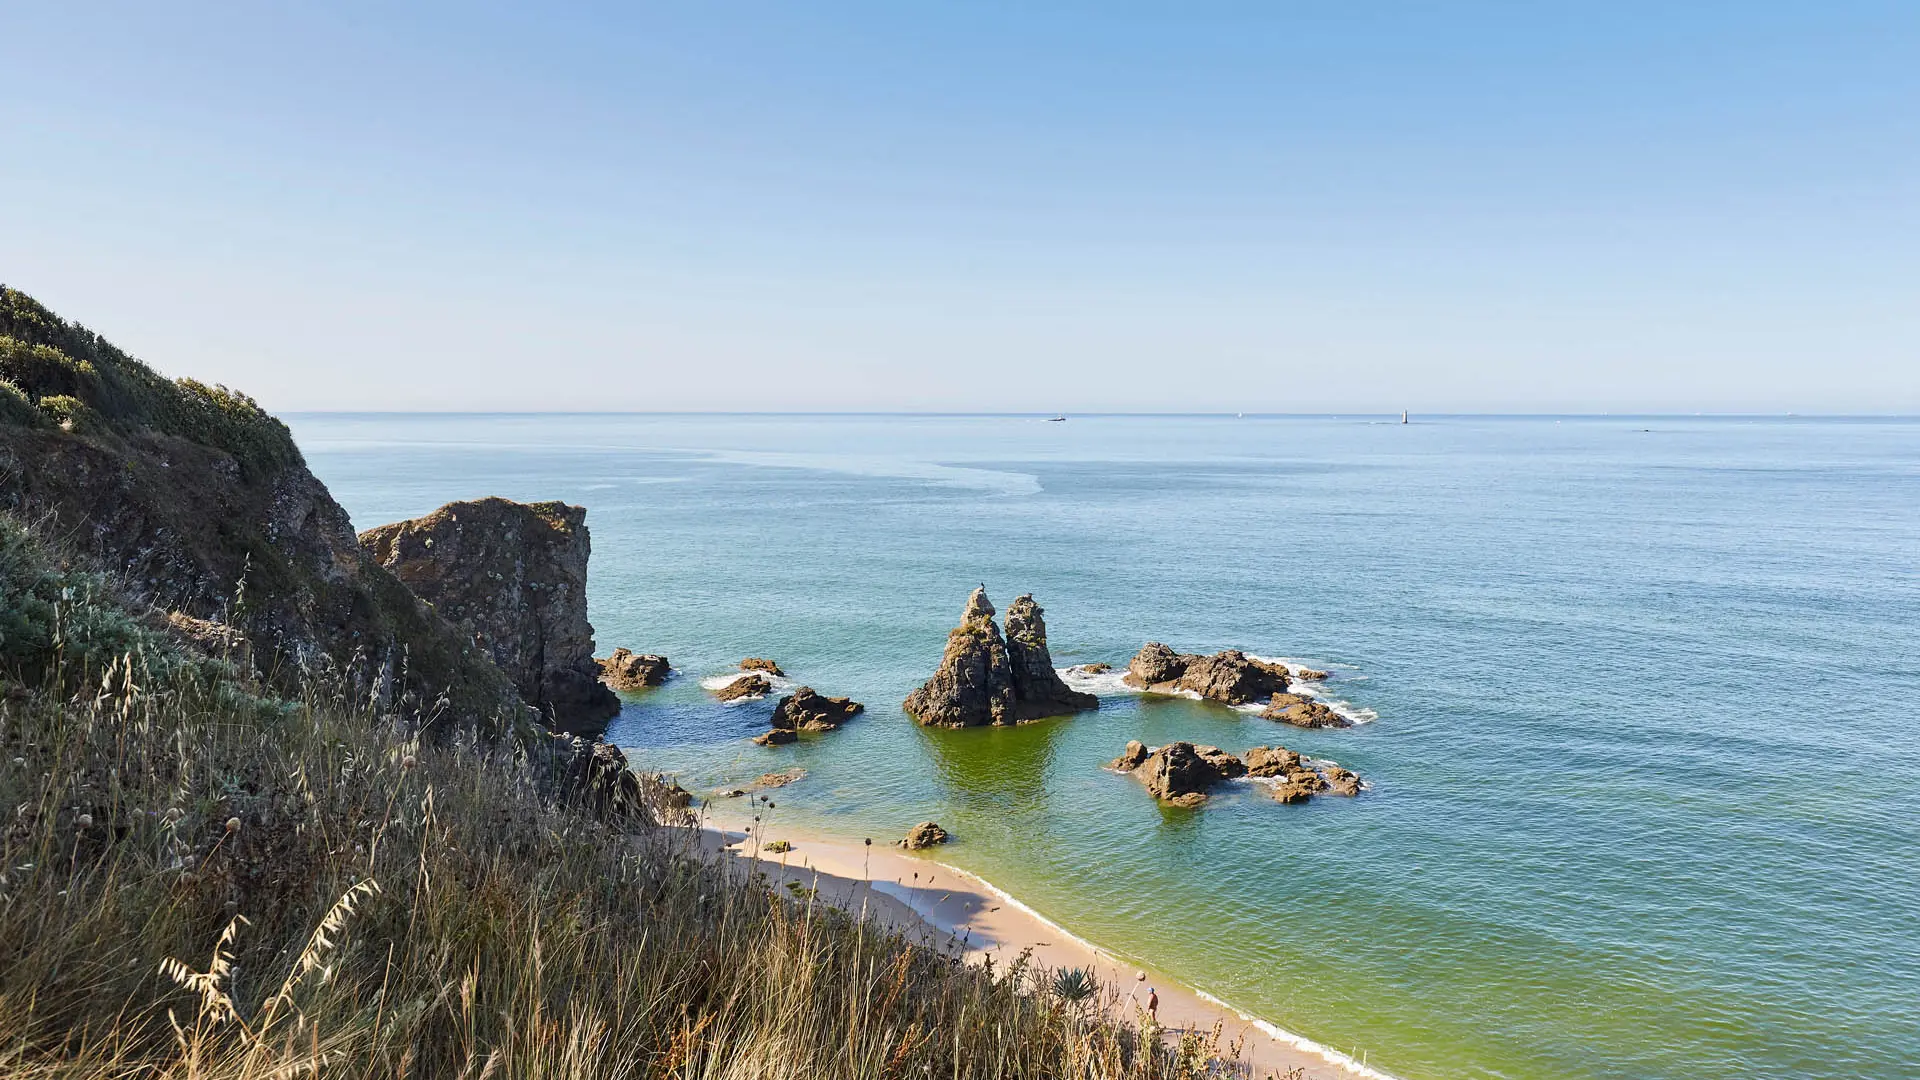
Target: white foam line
<point>1300,1042</point>
<point>1291,1038</point>
<point>780,684</point>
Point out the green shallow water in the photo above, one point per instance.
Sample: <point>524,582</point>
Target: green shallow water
<point>1645,769</point>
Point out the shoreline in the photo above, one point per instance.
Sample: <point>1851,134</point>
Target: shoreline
<point>946,905</point>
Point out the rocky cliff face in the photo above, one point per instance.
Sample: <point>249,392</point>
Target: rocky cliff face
<point>183,492</point>
<point>984,678</point>
<point>514,577</point>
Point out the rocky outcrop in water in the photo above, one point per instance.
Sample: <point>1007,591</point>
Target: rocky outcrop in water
<point>804,710</point>
<point>183,491</point>
<point>746,686</point>
<point>924,835</point>
<point>1301,711</point>
<point>1183,774</point>
<point>761,663</point>
<point>626,670</point>
<point>984,678</point>
<point>1231,677</point>
<point>514,576</point>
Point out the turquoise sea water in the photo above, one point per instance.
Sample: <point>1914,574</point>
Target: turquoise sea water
<point>1646,762</point>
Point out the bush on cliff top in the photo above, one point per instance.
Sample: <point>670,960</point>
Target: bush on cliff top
<point>47,360</point>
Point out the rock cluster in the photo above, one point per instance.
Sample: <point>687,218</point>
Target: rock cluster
<point>1231,677</point>
<point>924,835</point>
<point>984,678</point>
<point>1303,711</point>
<point>514,577</point>
<point>1182,774</point>
<point>627,670</point>
<point>805,710</point>
<point>759,663</point>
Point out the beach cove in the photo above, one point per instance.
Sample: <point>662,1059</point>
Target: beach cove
<point>1588,844</point>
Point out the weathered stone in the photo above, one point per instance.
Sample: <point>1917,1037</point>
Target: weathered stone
<point>1224,764</point>
<point>1095,669</point>
<point>1134,756</point>
<point>757,663</point>
<point>1340,781</point>
<point>514,576</point>
<point>1230,677</point>
<point>1271,761</point>
<point>1307,674</point>
<point>1180,774</point>
<point>746,686</point>
<point>779,779</point>
<point>628,670</point>
<point>924,835</point>
<point>1303,712</point>
<point>804,710</point>
<point>776,737</point>
<point>986,679</point>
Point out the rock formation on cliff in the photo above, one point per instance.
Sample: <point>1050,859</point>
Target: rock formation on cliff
<point>628,670</point>
<point>984,678</point>
<point>514,577</point>
<point>182,490</point>
<point>1231,677</point>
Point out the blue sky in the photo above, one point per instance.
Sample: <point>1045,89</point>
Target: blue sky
<point>1099,206</point>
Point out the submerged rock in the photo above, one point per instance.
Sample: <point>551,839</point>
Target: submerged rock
<point>514,577</point>
<point>1094,669</point>
<point>1307,674</point>
<point>1230,677</point>
<point>746,686</point>
<point>804,710</point>
<point>984,678</point>
<point>924,835</point>
<point>779,779</point>
<point>627,670</point>
<point>1303,711</point>
<point>776,737</point>
<point>757,663</point>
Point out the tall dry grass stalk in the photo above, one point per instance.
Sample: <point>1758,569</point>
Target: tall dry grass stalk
<point>151,819</point>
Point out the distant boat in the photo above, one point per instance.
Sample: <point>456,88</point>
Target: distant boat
<point>1403,416</point>
<point>1061,419</point>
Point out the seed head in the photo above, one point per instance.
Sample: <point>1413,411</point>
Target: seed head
<point>85,821</point>
<point>408,762</point>
<point>233,824</point>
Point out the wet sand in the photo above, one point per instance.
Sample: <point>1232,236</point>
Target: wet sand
<point>914,893</point>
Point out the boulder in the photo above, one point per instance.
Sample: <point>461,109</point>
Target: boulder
<point>627,670</point>
<point>804,710</point>
<point>1298,786</point>
<point>1230,677</point>
<point>984,678</point>
<point>1134,756</point>
<point>757,663</point>
<point>776,737</point>
<point>924,835</point>
<point>1307,674</point>
<point>1223,763</point>
<point>1302,712</point>
<point>513,576</point>
<point>1340,781</point>
<point>1094,669</point>
<point>1271,761</point>
<point>746,686</point>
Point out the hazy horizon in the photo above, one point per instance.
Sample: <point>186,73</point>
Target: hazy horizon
<point>1465,208</point>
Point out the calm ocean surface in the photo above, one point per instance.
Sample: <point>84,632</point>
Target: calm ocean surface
<point>1646,768</point>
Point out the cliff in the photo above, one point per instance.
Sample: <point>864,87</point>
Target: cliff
<point>195,500</point>
<point>513,576</point>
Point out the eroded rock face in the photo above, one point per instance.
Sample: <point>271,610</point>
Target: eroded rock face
<point>804,710</point>
<point>514,576</point>
<point>984,678</point>
<point>1230,677</point>
<point>626,670</point>
<point>1302,712</point>
<point>924,835</point>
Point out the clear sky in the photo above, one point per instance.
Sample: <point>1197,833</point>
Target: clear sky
<point>1022,206</point>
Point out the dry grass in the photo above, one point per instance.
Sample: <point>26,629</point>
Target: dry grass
<point>197,888</point>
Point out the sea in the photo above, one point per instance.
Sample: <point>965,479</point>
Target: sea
<point>1640,696</point>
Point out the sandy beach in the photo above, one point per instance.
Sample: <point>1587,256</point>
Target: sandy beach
<point>917,894</point>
